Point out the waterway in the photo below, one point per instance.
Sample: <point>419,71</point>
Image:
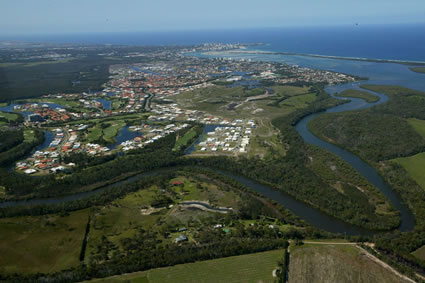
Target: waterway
<point>205,131</point>
<point>105,103</point>
<point>124,135</point>
<point>364,169</point>
<point>378,73</point>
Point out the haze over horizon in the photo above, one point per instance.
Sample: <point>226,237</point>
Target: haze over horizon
<point>78,16</point>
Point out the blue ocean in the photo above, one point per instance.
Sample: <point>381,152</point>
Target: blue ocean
<point>400,42</point>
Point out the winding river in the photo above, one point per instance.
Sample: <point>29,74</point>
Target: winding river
<point>311,215</point>
<point>379,74</point>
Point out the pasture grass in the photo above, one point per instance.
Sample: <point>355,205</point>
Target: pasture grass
<point>420,253</point>
<point>46,243</point>
<point>418,125</point>
<point>415,166</point>
<point>257,267</point>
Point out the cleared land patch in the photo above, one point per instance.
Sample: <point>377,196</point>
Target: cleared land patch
<point>335,263</point>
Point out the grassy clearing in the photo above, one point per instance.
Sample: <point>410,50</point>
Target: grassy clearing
<point>41,244</point>
<point>290,90</point>
<point>29,135</point>
<point>334,263</point>
<point>256,267</point>
<point>123,218</point>
<point>420,253</point>
<point>359,94</point>
<point>415,166</point>
<point>300,101</point>
<point>418,125</point>
<point>95,133</point>
<point>216,100</point>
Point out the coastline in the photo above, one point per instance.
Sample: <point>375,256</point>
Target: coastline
<point>259,52</point>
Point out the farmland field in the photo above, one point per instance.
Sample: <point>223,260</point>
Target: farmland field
<point>414,165</point>
<point>418,125</point>
<point>256,267</point>
<point>58,242</point>
<point>335,263</point>
<point>420,253</point>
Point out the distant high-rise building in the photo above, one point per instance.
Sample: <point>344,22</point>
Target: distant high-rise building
<point>35,118</point>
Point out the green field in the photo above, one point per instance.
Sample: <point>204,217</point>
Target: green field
<point>110,132</point>
<point>184,140</point>
<point>359,94</point>
<point>335,263</point>
<point>418,125</point>
<point>420,253</point>
<point>9,116</point>
<point>106,131</point>
<point>299,101</point>
<point>41,244</point>
<point>415,166</point>
<point>256,267</point>
<point>418,69</point>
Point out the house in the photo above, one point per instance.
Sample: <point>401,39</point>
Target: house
<point>181,238</point>
<point>177,183</point>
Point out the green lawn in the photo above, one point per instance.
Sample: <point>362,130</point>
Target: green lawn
<point>418,125</point>
<point>110,132</point>
<point>95,133</point>
<point>41,244</point>
<point>256,267</point>
<point>359,94</point>
<point>415,166</point>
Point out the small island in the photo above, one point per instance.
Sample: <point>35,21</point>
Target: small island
<point>418,69</point>
<point>354,93</point>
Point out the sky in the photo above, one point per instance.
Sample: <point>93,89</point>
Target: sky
<point>82,16</point>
